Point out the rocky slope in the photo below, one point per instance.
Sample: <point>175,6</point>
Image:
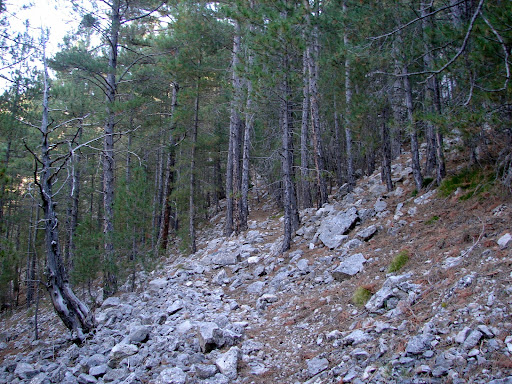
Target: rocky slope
<point>238,311</point>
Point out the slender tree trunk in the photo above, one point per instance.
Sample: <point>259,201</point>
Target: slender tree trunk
<point>305,188</point>
<point>75,314</point>
<point>386,153</point>
<point>233,161</point>
<point>348,101</point>
<point>110,278</point>
<point>416,168</point>
<point>315,120</point>
<point>169,173</point>
<point>192,210</point>
<point>30,284</point>
<point>435,100</point>
<point>249,122</point>
<point>337,146</point>
<point>291,215</point>
<point>74,197</point>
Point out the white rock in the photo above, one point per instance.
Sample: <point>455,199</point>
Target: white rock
<point>504,240</point>
<point>228,363</point>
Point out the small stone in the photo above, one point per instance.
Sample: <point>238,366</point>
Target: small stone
<point>472,339</point>
<point>356,337</point>
<point>255,288</point>
<point>504,240</point>
<point>205,371</point>
<point>158,284</point>
<point>486,331</point>
<point>317,365</point>
<point>419,344</point>
<point>349,267</point>
<point>367,233</point>
<point>25,371</point>
<point>380,206</point>
<point>86,379</point>
<point>119,352</point>
<point>422,369</point>
<point>98,370</point>
<point>173,375</point>
<point>139,334</point>
<point>461,336</point>
<point>303,265</point>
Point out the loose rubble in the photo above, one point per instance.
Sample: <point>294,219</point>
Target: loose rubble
<point>238,311</point>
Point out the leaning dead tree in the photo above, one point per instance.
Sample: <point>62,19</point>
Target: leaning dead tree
<point>75,314</point>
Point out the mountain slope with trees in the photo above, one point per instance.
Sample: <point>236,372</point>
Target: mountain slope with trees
<point>158,110</point>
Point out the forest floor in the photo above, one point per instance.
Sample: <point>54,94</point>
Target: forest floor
<point>305,333</point>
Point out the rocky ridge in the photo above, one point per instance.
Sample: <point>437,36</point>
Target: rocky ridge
<point>238,311</point>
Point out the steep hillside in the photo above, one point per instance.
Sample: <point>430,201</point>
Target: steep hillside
<point>378,287</point>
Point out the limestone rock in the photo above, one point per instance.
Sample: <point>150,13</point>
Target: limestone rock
<point>174,375</point>
<point>333,229</point>
<point>139,334</point>
<point>504,240</point>
<point>25,371</point>
<point>349,267</point>
<point>317,365</point>
<point>119,352</point>
<point>228,362</point>
<point>367,233</point>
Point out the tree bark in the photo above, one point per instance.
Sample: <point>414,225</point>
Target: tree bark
<point>110,278</point>
<point>337,146</point>
<point>348,100</point>
<point>291,215</point>
<point>386,153</point>
<point>169,174</point>
<point>415,154</point>
<point>249,122</point>
<point>315,121</point>
<point>305,188</point>
<point>74,197</point>
<point>192,207</point>
<point>233,161</point>
<point>313,74</point>
<point>435,101</point>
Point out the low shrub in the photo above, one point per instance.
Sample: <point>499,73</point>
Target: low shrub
<point>398,261</point>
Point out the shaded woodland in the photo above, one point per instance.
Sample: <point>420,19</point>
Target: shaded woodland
<point>155,116</point>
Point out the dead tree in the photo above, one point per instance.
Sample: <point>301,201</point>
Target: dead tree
<point>75,314</point>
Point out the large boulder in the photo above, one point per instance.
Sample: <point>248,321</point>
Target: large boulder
<point>333,230</point>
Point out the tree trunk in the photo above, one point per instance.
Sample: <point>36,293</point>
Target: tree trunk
<point>31,255</point>
<point>233,163</point>
<point>416,168</point>
<point>249,122</point>
<point>291,215</point>
<point>386,153</point>
<point>348,100</point>
<point>192,210</point>
<point>75,315</point>
<point>315,119</point>
<point>435,100</point>
<point>169,174</point>
<point>337,146</point>
<point>74,197</point>
<point>305,188</point>
<point>110,278</point>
